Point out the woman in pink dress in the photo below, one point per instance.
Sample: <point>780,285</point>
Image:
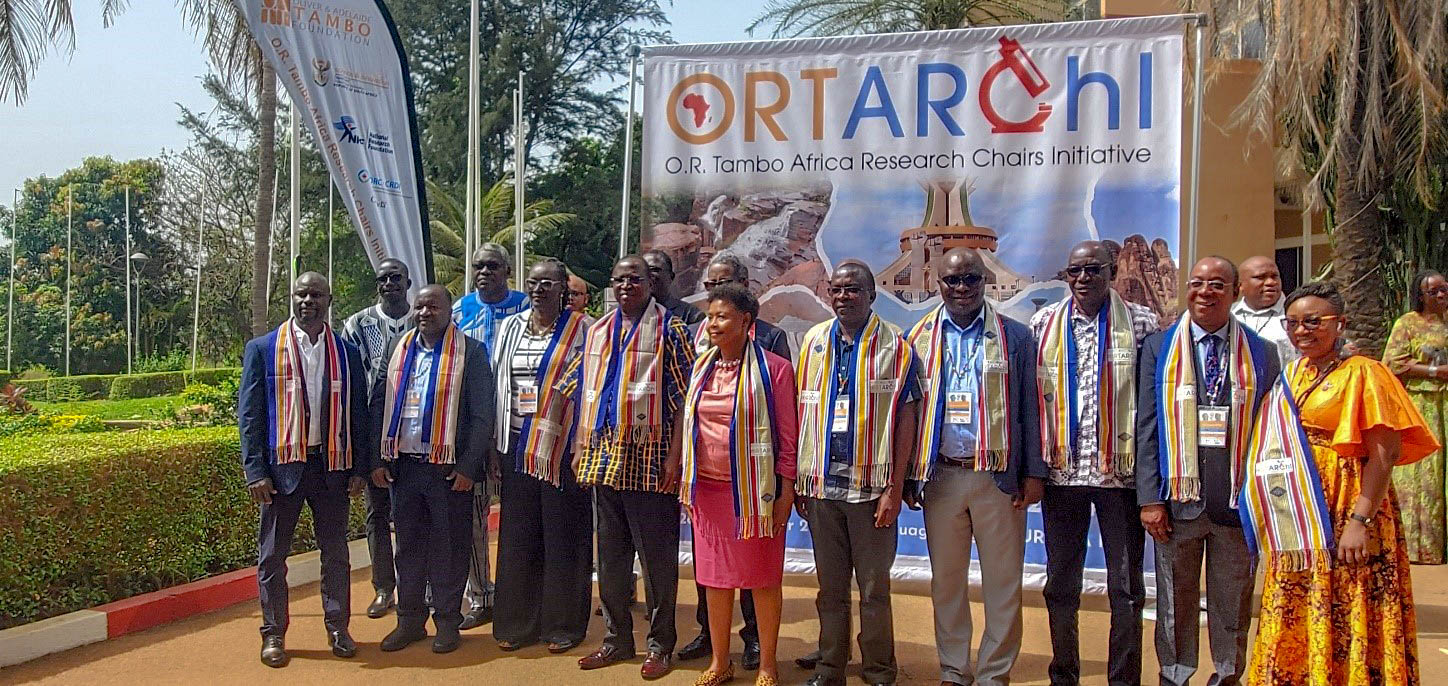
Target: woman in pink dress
<point>738,476</point>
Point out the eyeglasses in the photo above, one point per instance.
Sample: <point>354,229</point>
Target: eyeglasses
<point>1441,290</point>
<point>541,284</point>
<point>1214,285</point>
<point>958,280</point>
<point>490,266</point>
<point>393,277</point>
<point>1309,323</point>
<point>656,270</point>
<point>630,280</point>
<point>838,291</point>
<point>715,283</point>
<point>1090,269</point>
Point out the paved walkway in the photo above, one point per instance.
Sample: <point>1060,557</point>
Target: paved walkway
<point>221,648</point>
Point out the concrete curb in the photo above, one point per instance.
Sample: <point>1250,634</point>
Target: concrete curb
<point>138,613</point>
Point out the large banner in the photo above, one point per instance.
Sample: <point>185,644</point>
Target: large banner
<point>343,65</point>
<point>1019,141</point>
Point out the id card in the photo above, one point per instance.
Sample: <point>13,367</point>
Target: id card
<point>412,404</point>
<point>527,398</point>
<point>841,423</point>
<point>1212,426</point>
<point>959,407</point>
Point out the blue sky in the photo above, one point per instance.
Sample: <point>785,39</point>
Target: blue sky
<point>117,94</point>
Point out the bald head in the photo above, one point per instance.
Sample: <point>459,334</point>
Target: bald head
<point>311,300</point>
<point>434,311</point>
<point>1089,271</point>
<point>1261,282</point>
<point>961,278</point>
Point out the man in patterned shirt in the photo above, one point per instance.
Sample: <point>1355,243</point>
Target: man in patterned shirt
<point>632,377</point>
<point>370,330</point>
<point>1087,355</point>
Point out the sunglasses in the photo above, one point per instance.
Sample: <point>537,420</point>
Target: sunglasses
<point>1308,323</point>
<point>1090,269</point>
<point>838,291</point>
<point>490,266</point>
<point>715,283</point>
<point>390,278</point>
<point>958,280</point>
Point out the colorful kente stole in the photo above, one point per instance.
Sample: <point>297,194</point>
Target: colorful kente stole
<point>751,440</point>
<point>1057,374</point>
<point>1177,397</point>
<point>625,365</point>
<point>441,400</point>
<point>288,395</point>
<point>1282,506</point>
<point>878,367</point>
<point>543,440</point>
<point>993,437</point>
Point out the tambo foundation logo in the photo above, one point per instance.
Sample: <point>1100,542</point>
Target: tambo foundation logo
<point>276,12</point>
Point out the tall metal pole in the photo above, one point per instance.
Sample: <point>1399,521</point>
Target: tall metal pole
<point>633,67</point>
<point>10,292</point>
<point>69,227</point>
<point>470,211</point>
<point>296,193</point>
<point>330,211</point>
<point>520,178</point>
<point>1198,68</point>
<point>196,307</point>
<point>127,260</point>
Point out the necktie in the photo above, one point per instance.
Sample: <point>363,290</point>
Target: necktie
<point>1213,369</point>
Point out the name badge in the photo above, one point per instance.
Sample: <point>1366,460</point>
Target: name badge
<point>809,397</point>
<point>884,385</point>
<point>1120,355</point>
<point>412,405</point>
<point>959,407</point>
<point>841,423</point>
<point>527,398</point>
<point>1186,392</point>
<point>642,388</point>
<point>994,366</point>
<point>761,449</point>
<point>1212,427</point>
<point>1280,465</point>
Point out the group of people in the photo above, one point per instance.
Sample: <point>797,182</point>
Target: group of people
<point>1237,435</point>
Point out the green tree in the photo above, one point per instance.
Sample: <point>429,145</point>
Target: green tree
<point>587,181</point>
<point>495,209</point>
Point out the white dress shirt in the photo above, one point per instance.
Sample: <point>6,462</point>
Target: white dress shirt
<point>1267,323</point>
<point>314,356</point>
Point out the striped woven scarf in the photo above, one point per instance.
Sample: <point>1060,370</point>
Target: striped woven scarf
<point>441,400</point>
<point>878,367</point>
<point>752,446</point>
<point>1177,391</point>
<point>1282,506</point>
<point>993,440</point>
<point>542,439</point>
<point>626,365</point>
<point>1056,375</point>
<point>288,396</point>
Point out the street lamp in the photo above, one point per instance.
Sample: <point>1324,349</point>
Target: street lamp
<point>138,264</point>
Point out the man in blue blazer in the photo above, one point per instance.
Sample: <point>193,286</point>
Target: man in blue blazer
<point>305,430</point>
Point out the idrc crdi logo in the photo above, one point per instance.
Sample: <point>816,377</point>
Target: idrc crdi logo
<point>703,107</point>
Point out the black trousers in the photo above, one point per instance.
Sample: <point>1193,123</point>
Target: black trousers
<point>648,523</point>
<point>545,547</point>
<point>1066,513</point>
<point>326,494</point>
<point>750,632</point>
<point>434,543</point>
<point>379,538</point>
<point>847,543</point>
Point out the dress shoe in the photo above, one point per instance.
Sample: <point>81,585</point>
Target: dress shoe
<point>342,643</point>
<point>750,659</point>
<point>476,617</point>
<point>603,657</point>
<point>715,678</point>
<point>402,637</point>
<point>765,680</point>
<point>820,680</point>
<point>657,665</point>
<point>446,641</point>
<point>557,647</point>
<point>273,652</point>
<point>697,648</point>
<point>808,661</point>
<point>380,605</point>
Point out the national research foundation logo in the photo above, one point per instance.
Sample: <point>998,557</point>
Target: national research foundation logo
<point>321,71</point>
<point>276,12</point>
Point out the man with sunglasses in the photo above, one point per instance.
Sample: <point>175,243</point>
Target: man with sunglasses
<point>661,276</point>
<point>1200,385</point>
<point>370,329</point>
<point>1260,307</point>
<point>1086,352</point>
<point>977,468</point>
<point>478,314</point>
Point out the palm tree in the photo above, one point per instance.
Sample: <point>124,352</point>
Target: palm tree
<point>794,18</point>
<point>495,210</point>
<point>1356,89</point>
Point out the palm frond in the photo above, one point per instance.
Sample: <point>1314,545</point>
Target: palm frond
<point>28,29</point>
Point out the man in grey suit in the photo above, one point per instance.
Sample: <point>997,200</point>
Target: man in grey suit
<point>1188,522</point>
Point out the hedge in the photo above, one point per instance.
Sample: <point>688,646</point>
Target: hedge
<point>119,386</point>
<point>92,518</point>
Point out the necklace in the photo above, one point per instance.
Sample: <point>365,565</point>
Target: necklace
<point>728,364</point>
<point>533,329</point>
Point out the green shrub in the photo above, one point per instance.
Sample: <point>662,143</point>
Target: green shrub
<point>62,389</point>
<point>214,377</point>
<point>37,423</point>
<point>174,361</point>
<point>127,386</point>
<point>89,519</point>
<point>206,405</point>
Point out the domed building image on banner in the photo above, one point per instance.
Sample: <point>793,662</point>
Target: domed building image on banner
<point>947,225</point>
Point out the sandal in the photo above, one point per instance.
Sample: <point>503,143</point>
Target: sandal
<point>715,678</point>
<point>557,647</point>
<point>510,646</point>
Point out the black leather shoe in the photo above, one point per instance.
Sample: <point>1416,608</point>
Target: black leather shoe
<point>402,637</point>
<point>380,605</point>
<point>808,661</point>
<point>819,680</point>
<point>273,651</point>
<point>476,617</point>
<point>750,660</point>
<point>342,643</point>
<point>697,648</point>
<point>447,641</point>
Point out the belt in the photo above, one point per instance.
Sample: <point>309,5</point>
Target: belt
<point>962,462</point>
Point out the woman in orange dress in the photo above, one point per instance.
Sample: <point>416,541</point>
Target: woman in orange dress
<point>1349,622</point>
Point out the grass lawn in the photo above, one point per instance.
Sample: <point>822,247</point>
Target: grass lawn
<point>137,408</point>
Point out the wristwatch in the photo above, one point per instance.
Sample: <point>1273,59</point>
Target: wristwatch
<point>1360,519</point>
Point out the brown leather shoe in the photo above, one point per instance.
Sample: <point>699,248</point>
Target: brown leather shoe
<point>657,665</point>
<point>603,657</point>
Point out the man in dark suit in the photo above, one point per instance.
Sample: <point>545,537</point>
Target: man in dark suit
<point>431,476</point>
<point>1186,522</point>
<point>293,454</point>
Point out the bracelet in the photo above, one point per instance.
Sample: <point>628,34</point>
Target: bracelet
<point>1360,519</point>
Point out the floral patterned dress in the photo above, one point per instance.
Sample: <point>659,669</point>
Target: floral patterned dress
<point>1423,339</point>
<point>1346,625</point>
